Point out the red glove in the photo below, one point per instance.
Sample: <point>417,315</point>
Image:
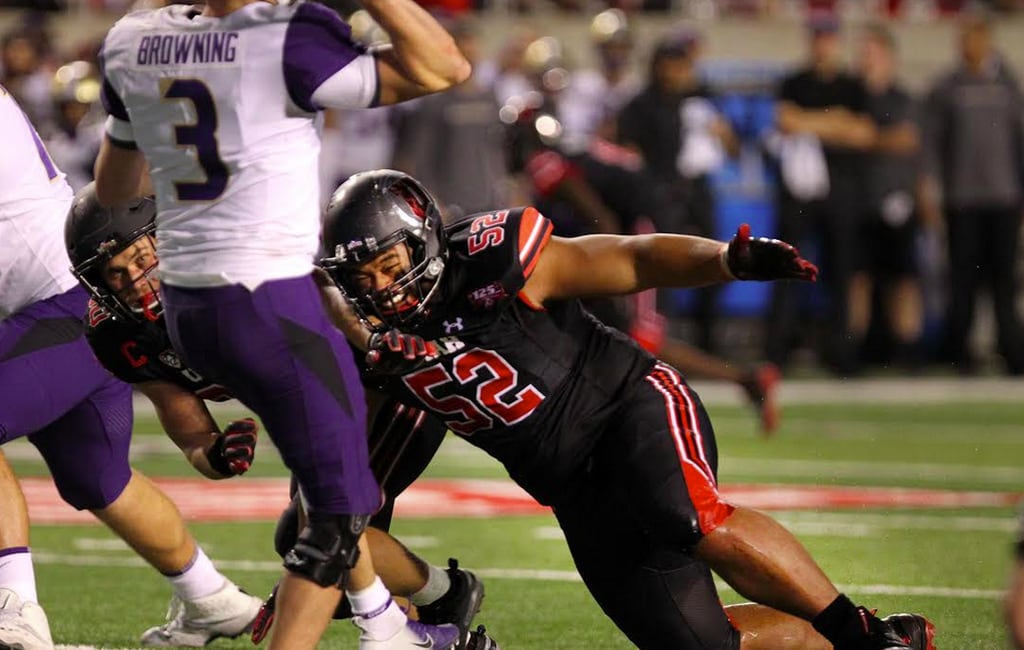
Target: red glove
<point>233,451</point>
<point>760,258</point>
<point>396,352</point>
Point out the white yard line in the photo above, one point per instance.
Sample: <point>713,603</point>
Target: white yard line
<point>550,575</point>
<point>847,469</point>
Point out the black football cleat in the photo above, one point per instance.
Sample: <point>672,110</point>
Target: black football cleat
<point>914,630</point>
<point>478,640</point>
<point>459,605</point>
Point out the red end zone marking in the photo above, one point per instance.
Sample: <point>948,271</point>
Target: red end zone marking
<point>263,499</point>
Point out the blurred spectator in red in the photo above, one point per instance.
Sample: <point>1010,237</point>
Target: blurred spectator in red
<point>821,114</point>
<point>887,263</point>
<point>674,125</point>
<point>975,145</point>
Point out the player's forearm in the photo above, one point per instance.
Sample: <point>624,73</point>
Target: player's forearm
<point>682,261</point>
<point>426,52</point>
<point>121,174</point>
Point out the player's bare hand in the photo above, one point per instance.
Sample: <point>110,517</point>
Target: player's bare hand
<point>760,258</point>
<point>233,451</point>
<point>395,352</point>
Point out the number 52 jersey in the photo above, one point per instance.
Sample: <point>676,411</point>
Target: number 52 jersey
<point>534,387</point>
<point>225,110</point>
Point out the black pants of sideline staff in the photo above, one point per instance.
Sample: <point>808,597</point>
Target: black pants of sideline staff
<point>983,247</point>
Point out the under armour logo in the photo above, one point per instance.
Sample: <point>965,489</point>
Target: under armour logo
<point>454,326</point>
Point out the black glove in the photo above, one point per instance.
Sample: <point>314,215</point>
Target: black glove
<point>232,452</point>
<point>761,258</point>
<point>396,352</point>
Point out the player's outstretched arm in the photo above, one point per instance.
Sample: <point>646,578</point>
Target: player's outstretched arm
<point>601,265</point>
<point>422,58</point>
<point>188,422</point>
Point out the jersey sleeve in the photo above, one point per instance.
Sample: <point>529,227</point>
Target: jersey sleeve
<point>119,126</point>
<point>114,349</point>
<point>498,250</point>
<point>323,65</point>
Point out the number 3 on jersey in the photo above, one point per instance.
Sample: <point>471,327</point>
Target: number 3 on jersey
<point>496,396</point>
<point>201,135</point>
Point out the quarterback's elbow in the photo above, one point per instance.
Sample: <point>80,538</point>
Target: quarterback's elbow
<point>457,70</point>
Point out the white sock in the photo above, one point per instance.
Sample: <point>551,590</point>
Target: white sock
<point>380,618</point>
<point>17,574</point>
<point>199,578</point>
<point>438,584</point>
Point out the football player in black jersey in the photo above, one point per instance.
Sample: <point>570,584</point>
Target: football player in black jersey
<point>114,257</point>
<point>584,419</point>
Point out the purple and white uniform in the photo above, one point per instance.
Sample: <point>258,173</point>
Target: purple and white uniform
<point>226,112</point>
<point>52,389</point>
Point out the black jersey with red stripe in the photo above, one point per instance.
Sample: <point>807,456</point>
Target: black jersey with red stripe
<point>137,352</point>
<point>534,387</point>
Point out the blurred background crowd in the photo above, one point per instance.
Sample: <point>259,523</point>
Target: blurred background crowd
<point>884,137</point>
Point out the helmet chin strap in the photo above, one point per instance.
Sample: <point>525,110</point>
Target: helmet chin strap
<point>149,303</point>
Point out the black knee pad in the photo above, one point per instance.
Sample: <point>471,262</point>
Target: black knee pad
<point>287,531</point>
<point>327,548</point>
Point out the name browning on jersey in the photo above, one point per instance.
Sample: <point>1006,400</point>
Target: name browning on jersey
<point>215,47</point>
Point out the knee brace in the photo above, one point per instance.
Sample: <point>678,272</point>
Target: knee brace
<point>327,548</point>
<point>287,530</point>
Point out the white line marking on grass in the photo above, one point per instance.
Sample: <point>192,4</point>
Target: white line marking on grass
<point>132,562</point>
<point>420,541</point>
<point>901,522</point>
<point>848,426</point>
<point>845,469</point>
<point>554,575</point>
<point>99,544</point>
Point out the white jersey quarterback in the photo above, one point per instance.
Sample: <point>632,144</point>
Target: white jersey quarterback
<point>225,111</point>
<point>34,201</point>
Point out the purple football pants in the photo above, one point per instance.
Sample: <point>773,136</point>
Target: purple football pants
<point>277,352</point>
<point>53,390</point>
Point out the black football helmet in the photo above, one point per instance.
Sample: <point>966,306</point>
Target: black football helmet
<point>368,214</point>
<point>93,234</point>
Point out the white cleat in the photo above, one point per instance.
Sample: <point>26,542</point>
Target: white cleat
<point>23,626</point>
<point>412,636</point>
<point>193,624</point>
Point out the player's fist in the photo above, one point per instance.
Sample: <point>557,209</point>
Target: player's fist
<point>233,450</point>
<point>760,258</point>
<point>396,352</point>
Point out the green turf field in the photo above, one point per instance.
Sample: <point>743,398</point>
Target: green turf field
<point>947,563</point>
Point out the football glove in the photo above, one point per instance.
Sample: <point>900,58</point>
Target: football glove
<point>760,258</point>
<point>396,352</point>
<point>233,450</point>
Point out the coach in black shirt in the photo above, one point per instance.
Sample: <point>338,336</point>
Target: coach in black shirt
<point>825,101</point>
